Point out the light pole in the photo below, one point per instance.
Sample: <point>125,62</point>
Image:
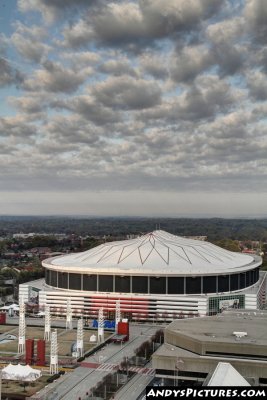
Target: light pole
<point>127,366</point>
<point>100,331</point>
<point>22,327</point>
<point>68,315</point>
<point>54,353</point>
<point>178,363</point>
<point>47,333</point>
<point>80,337</point>
<point>117,314</point>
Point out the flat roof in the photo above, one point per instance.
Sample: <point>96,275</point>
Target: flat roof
<point>37,283</point>
<point>170,351</point>
<point>215,335</point>
<point>222,326</point>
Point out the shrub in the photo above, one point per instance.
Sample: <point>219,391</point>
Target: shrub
<point>53,378</point>
<point>61,372</point>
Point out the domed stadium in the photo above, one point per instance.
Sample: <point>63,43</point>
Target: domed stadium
<point>155,274</point>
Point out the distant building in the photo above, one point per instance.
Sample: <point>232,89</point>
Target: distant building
<point>249,251</point>
<point>23,235</point>
<point>155,276</point>
<point>197,237</point>
<point>40,250</point>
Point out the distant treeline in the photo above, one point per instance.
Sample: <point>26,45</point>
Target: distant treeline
<point>213,228</point>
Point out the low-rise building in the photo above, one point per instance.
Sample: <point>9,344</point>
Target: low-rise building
<point>194,347</point>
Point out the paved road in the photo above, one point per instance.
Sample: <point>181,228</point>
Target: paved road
<point>55,323</point>
<point>74,385</point>
<point>134,388</point>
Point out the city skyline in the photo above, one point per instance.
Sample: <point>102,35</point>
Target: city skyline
<point>133,107</point>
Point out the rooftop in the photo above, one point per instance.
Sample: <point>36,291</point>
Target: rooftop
<point>226,375</point>
<point>215,335</point>
<point>156,252</point>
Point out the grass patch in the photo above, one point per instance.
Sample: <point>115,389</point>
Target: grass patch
<point>16,388</point>
<point>65,340</point>
<point>6,328</point>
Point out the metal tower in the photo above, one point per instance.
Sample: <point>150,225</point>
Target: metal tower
<point>54,354</point>
<point>22,327</point>
<point>100,331</point>
<point>118,314</point>
<point>47,332</point>
<point>69,315</point>
<point>80,337</point>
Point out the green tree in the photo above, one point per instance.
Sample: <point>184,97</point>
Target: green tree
<point>228,244</point>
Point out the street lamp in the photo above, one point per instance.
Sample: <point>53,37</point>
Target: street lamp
<point>178,364</point>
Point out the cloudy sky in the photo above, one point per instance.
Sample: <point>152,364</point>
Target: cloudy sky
<point>133,107</point>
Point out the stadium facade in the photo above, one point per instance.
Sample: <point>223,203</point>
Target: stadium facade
<point>155,276</point>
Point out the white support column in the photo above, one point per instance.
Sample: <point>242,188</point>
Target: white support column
<point>47,332</point>
<point>22,327</point>
<point>68,315</point>
<point>22,304</point>
<point>117,314</point>
<point>80,337</point>
<point>100,331</point>
<point>54,354</point>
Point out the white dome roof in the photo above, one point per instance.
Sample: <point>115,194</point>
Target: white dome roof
<point>159,253</point>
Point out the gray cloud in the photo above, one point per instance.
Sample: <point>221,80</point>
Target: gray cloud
<point>81,59</point>
<point>70,130</point>
<point>17,126</point>
<point>255,13</point>
<point>154,64</point>
<point>231,126</point>
<point>229,58</point>
<point>257,84</point>
<point>53,9</point>
<point>29,49</point>
<point>55,78</point>
<point>92,111</point>
<point>139,23</point>
<point>228,30</point>
<point>77,35</point>
<point>8,74</point>
<point>127,93</point>
<point>204,99</point>
<point>28,42</point>
<point>226,50</point>
<point>190,62</point>
<point>165,18</point>
<point>208,96</point>
<point>150,95</point>
<point>35,103</point>
<point>261,58</point>
<point>117,68</point>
